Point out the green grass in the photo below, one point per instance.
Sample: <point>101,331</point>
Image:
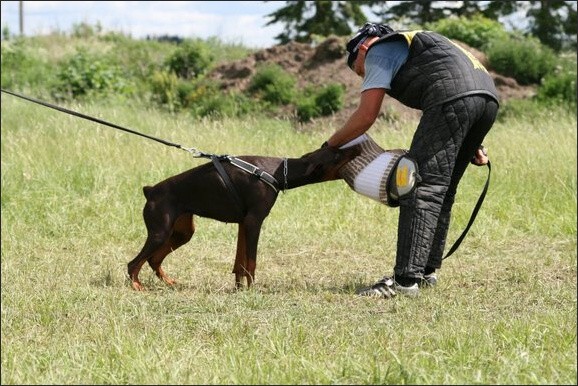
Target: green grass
<point>504,311</point>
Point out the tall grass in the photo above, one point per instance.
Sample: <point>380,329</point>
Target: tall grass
<point>504,311</point>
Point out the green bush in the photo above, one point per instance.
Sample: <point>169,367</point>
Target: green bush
<point>191,59</point>
<point>315,103</point>
<point>476,31</point>
<point>23,67</point>
<point>194,94</point>
<point>164,89</point>
<point>273,84</point>
<point>329,99</point>
<point>219,105</point>
<point>558,87</point>
<point>85,30</point>
<point>200,97</point>
<point>86,75</point>
<point>523,58</point>
<point>307,109</point>
<point>205,98</point>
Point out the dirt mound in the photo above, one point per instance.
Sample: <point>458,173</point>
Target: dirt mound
<point>325,63</point>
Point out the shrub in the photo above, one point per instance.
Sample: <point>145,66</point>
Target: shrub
<point>330,99</point>
<point>307,109</point>
<point>6,33</point>
<point>22,66</point>
<point>558,87</point>
<point>192,94</point>
<point>85,75</point>
<point>164,89</point>
<point>323,102</point>
<point>190,60</point>
<point>476,31</point>
<point>201,97</point>
<point>85,30</point>
<point>523,58</point>
<point>220,105</point>
<point>273,85</point>
<point>14,59</point>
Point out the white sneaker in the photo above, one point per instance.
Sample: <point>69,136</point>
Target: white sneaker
<point>388,288</point>
<point>429,280</point>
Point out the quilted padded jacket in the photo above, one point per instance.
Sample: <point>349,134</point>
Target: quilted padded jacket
<point>436,71</point>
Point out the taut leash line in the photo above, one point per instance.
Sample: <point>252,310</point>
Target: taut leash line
<point>195,152</point>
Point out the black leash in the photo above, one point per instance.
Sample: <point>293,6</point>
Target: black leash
<point>195,152</point>
<point>473,216</point>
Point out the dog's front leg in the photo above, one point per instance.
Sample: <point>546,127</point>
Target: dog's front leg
<point>246,258</point>
<point>239,268</point>
<point>252,231</point>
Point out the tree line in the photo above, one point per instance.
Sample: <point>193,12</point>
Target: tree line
<point>553,22</point>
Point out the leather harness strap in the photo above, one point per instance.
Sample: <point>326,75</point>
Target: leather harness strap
<point>246,166</point>
<point>252,169</point>
<point>233,193</point>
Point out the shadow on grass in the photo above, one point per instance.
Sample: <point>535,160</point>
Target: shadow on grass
<point>110,279</point>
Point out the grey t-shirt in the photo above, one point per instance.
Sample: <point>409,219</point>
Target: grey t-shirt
<point>382,63</point>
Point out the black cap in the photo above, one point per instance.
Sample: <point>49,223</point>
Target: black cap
<point>368,29</point>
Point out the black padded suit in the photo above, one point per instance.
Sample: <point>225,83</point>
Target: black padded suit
<point>459,103</point>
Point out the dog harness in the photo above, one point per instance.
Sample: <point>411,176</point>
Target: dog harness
<point>249,168</point>
<point>252,169</point>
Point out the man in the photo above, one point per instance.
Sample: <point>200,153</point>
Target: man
<point>459,103</point>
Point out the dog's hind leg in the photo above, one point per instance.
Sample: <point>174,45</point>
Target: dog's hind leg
<point>183,230</point>
<point>159,227</point>
<point>151,245</point>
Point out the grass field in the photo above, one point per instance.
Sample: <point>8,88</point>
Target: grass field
<point>504,311</point>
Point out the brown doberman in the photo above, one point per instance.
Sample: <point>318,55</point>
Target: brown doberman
<point>238,190</point>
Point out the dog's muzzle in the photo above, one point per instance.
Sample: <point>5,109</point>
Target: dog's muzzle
<point>383,175</point>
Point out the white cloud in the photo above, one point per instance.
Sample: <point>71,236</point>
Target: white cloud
<point>233,21</point>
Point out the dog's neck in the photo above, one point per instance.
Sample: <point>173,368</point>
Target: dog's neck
<point>293,173</point>
<point>311,168</point>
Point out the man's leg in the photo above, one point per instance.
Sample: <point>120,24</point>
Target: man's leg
<point>472,141</point>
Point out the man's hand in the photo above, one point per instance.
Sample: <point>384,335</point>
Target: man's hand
<point>480,158</point>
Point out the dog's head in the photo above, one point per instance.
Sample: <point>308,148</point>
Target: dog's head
<point>323,164</point>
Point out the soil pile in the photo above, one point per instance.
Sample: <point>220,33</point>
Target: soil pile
<point>325,63</point>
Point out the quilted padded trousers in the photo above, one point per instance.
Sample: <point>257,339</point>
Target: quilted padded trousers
<point>443,145</point>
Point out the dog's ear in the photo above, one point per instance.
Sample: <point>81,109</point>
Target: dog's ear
<point>324,154</point>
<point>351,152</point>
<point>324,163</point>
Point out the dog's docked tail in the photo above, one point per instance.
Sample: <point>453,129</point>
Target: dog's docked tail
<point>148,192</point>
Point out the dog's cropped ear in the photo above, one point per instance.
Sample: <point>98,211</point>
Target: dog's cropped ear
<point>332,155</point>
<point>351,152</point>
<point>344,155</point>
<point>324,163</point>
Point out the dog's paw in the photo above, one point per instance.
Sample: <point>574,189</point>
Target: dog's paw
<point>137,286</point>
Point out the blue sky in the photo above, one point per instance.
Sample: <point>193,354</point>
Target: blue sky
<point>241,22</point>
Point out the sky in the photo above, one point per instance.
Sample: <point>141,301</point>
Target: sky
<point>237,22</point>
